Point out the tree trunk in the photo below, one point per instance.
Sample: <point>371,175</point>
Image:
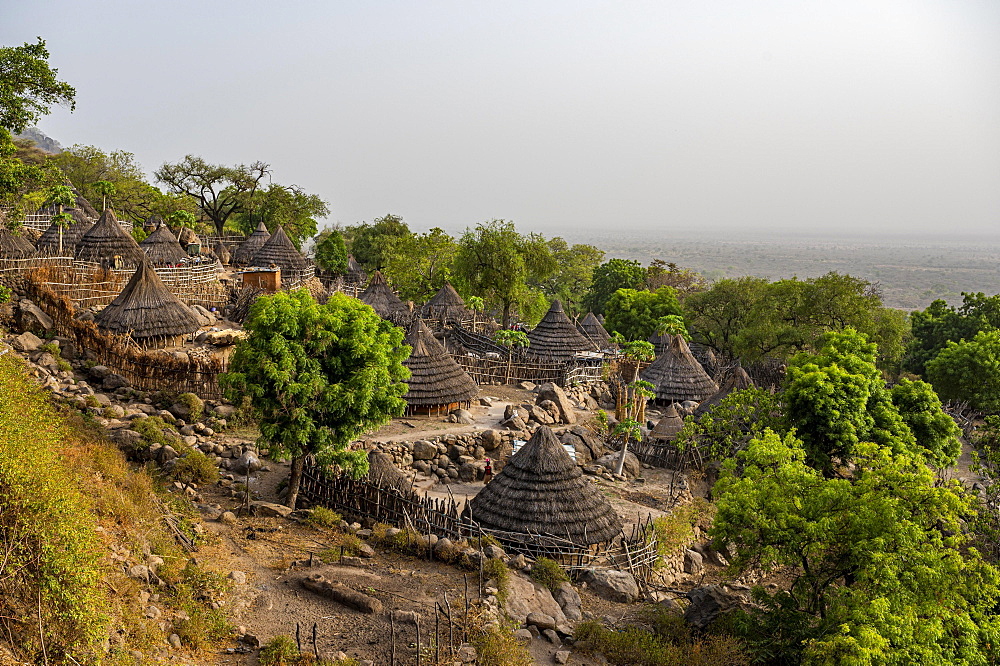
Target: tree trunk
<point>621,457</point>
<point>506,315</point>
<point>294,479</point>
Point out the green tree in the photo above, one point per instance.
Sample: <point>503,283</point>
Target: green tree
<point>29,87</point>
<point>608,278</point>
<point>636,314</point>
<point>574,273</point>
<point>935,432</point>
<point>317,377</point>
<point>331,252</point>
<point>496,263</point>
<point>419,264</point>
<point>371,243</point>
<point>731,425</point>
<point>291,207</point>
<point>937,325</point>
<point>107,190</point>
<point>969,371</point>
<point>62,197</point>
<point>881,571</point>
<point>220,191</point>
<point>684,281</point>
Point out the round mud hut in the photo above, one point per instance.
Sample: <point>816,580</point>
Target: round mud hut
<point>107,243</point>
<point>13,245</point>
<point>556,338</point>
<point>148,312</point>
<point>668,426</point>
<point>48,243</point>
<point>678,376</point>
<point>594,331</point>
<point>736,380</point>
<point>384,301</point>
<point>446,306</point>
<point>542,491</point>
<point>162,248</point>
<point>244,254</point>
<point>437,383</point>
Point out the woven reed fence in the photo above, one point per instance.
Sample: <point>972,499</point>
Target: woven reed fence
<point>665,455</point>
<point>230,240</point>
<point>636,552</point>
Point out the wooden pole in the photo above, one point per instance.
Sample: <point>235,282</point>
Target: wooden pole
<point>392,641</point>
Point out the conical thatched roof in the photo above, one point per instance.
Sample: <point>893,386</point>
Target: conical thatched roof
<point>14,246</point>
<point>162,247</point>
<point>669,424</point>
<point>221,253</point>
<point>147,310</point>
<point>436,378</point>
<point>678,376</point>
<point>48,243</point>
<point>382,471</point>
<point>107,239</point>
<point>280,251</point>
<point>541,490</point>
<point>556,338</point>
<point>660,342</point>
<point>152,222</point>
<point>382,299</point>
<point>736,380</point>
<point>706,356</point>
<point>242,255</point>
<point>446,305</point>
<point>594,331</point>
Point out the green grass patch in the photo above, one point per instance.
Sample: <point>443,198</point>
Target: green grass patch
<point>548,573</point>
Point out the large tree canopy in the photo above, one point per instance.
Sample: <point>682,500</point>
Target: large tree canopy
<point>371,243</point>
<point>608,278</point>
<point>331,252</point>
<point>575,265</point>
<point>220,191</point>
<point>28,86</point>
<point>288,205</point>
<point>937,325</point>
<point>635,314</point>
<point>418,265</point>
<point>969,371</point>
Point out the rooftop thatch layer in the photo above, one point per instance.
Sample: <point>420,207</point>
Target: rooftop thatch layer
<point>556,338</point>
<point>106,240</point>
<point>594,331</point>
<point>48,243</point>
<point>436,379</point>
<point>152,222</point>
<point>221,253</point>
<point>660,343</point>
<point>706,356</point>
<point>162,247</point>
<point>678,376</point>
<point>446,306</point>
<point>13,245</point>
<point>279,251</point>
<point>541,490</point>
<point>669,424</point>
<point>382,471</point>
<point>736,380</point>
<point>382,299</point>
<point>147,310</point>
<point>242,255</point>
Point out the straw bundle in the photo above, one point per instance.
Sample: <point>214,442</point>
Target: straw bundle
<point>541,490</point>
<point>279,251</point>
<point>162,247</point>
<point>446,306</point>
<point>556,338</point>
<point>106,240</point>
<point>594,331</point>
<point>736,380</point>
<point>436,379</point>
<point>242,255</point>
<point>382,300</point>
<point>147,310</point>
<point>48,243</point>
<point>669,424</point>
<point>14,246</point>
<point>678,376</point>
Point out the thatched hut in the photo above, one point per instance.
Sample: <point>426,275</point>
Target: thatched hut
<point>221,253</point>
<point>706,356</point>
<point>594,331</point>
<point>48,243</point>
<point>147,311</point>
<point>382,471</point>
<point>152,223</point>
<point>162,247</point>
<point>14,245</point>
<point>107,240</point>
<point>668,426</point>
<point>541,490</point>
<point>384,301</point>
<point>446,306</point>
<point>437,383</point>
<point>279,251</point>
<point>556,338</point>
<point>736,380</point>
<point>355,273</point>
<point>243,255</point>
<point>660,343</point>
<point>678,376</point>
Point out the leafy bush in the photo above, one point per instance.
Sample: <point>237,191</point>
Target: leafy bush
<point>195,467</point>
<point>323,517</point>
<point>5,294</point>
<point>497,571</point>
<point>548,573</point>
<point>635,646</point>
<point>194,405</point>
<point>279,651</point>
<point>350,544</point>
<point>676,530</point>
<point>496,645</point>
<point>155,430</point>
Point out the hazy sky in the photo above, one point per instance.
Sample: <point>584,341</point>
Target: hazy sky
<point>853,115</point>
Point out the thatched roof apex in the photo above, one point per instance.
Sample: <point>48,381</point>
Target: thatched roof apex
<point>446,305</point>
<point>48,242</point>
<point>221,252</point>
<point>736,380</point>
<point>556,338</point>
<point>384,301</point>
<point>244,254</point>
<point>108,239</point>
<point>146,309</point>
<point>594,331</point>
<point>14,245</point>
<point>162,247</point>
<point>280,251</point>
<point>678,376</point>
<point>541,490</point>
<point>436,379</point>
<point>669,424</point>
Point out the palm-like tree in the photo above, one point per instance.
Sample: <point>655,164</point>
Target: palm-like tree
<point>107,190</point>
<point>61,196</point>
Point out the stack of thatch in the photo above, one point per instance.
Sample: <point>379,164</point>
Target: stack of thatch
<point>14,245</point>
<point>221,253</point>
<point>594,331</point>
<point>383,301</point>
<point>147,311</point>
<point>48,243</point>
<point>437,382</point>
<point>279,251</point>
<point>541,490</point>
<point>243,255</point>
<point>162,247</point>
<point>446,306</point>
<point>106,240</point>
<point>556,338</point>
<point>669,424</point>
<point>736,380</point>
<point>678,376</point>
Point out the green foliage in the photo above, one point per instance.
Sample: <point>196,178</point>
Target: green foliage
<point>331,252</point>
<point>496,263</point>
<point>684,281</point>
<point>28,86</point>
<point>195,467</point>
<point>636,315</point>
<point>5,294</point>
<point>938,324</point>
<point>608,278</point>
<point>574,273</point>
<point>219,191</point>
<point>986,463</point>
<point>880,568</point>
<point>371,243</point>
<point>936,432</point>
<point>194,405</point>
<point>418,265</point>
<point>510,339</point>
<point>729,426</point>
<point>494,569</point>
<point>669,644</point>
<point>672,325</point>
<point>321,516</point>
<point>318,376</point>
<point>24,182</point>
<point>496,644</point>
<point>155,430</point>
<point>548,573</point>
<point>969,371</point>
<point>279,651</point>
<point>291,207</point>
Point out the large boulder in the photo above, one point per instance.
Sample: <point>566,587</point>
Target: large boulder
<point>31,318</point>
<point>569,600</point>
<point>551,391</point>
<point>707,603</point>
<point>619,586</point>
<point>424,450</point>
<point>205,318</point>
<point>490,439</point>
<point>631,468</point>
<point>525,597</point>
<point>27,342</point>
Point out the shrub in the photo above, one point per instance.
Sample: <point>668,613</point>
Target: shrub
<point>548,573</point>
<point>675,531</point>
<point>194,405</point>
<point>497,646</point>
<point>635,646</point>
<point>154,430</point>
<point>5,294</point>
<point>195,467</point>
<point>323,517</point>
<point>497,571</point>
<point>279,651</point>
<point>350,544</point>
<point>63,365</point>
<point>51,348</point>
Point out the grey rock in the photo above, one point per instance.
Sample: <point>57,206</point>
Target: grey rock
<point>467,472</point>
<point>554,393</point>
<point>114,381</point>
<point>561,656</point>
<point>707,603</point>
<point>552,636</point>
<point>631,469</point>
<point>619,586</point>
<point>424,450</point>
<point>175,641</point>
<point>569,600</point>
<point>272,509</point>
<point>31,318</point>
<point>541,620</point>
<point>27,342</point>
<point>693,562</point>
<point>463,416</point>
<point>238,577</point>
<point>523,635</point>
